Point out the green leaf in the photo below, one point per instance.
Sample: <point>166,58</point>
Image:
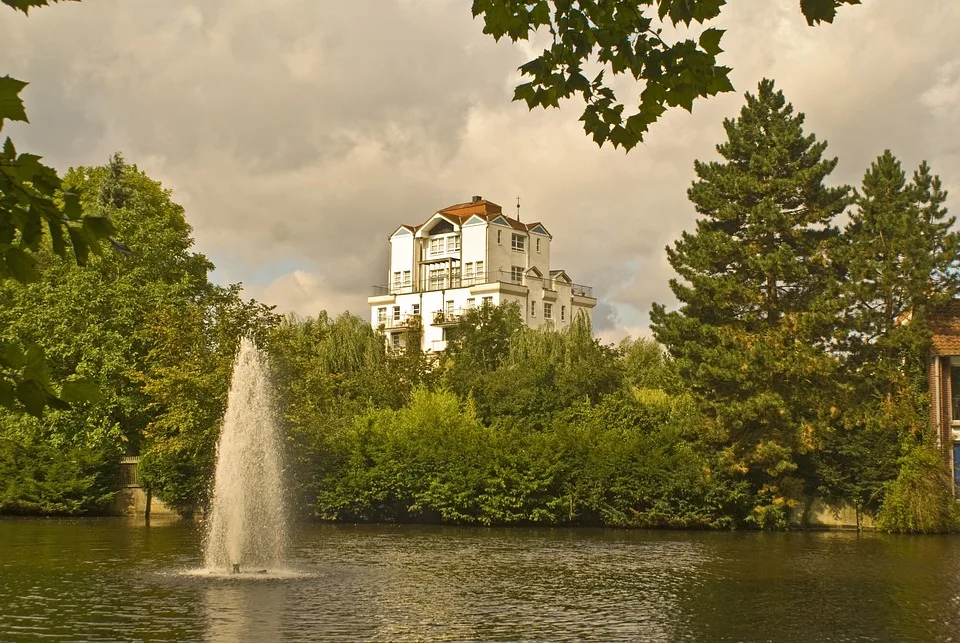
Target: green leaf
<point>32,396</point>
<point>71,205</point>
<point>11,107</point>
<point>80,390</point>
<point>98,227</point>
<point>26,5</point>
<point>8,397</point>
<point>817,11</point>
<point>710,41</point>
<point>21,265</point>
<point>12,355</point>
<point>81,249</point>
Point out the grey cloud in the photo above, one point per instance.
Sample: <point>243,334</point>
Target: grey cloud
<point>303,132</point>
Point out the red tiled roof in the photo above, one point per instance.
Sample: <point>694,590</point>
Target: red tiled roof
<point>486,210</point>
<point>945,325</point>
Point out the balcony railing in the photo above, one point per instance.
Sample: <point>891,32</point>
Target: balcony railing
<point>447,281</point>
<point>404,322</point>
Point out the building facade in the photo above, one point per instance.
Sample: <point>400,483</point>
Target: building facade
<point>944,380</point>
<point>462,257</point>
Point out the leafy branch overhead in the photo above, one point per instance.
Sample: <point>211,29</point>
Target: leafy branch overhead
<point>26,5</point>
<point>622,37</point>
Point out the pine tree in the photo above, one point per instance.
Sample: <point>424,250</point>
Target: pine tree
<point>752,334</point>
<point>900,259</point>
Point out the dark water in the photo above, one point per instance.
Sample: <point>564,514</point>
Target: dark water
<point>113,579</point>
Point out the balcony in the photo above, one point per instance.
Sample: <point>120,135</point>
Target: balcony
<point>447,318</point>
<point>402,323</point>
<point>448,281</point>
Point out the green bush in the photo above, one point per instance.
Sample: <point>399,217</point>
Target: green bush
<point>920,500</point>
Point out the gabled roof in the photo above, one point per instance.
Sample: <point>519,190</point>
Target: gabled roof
<point>945,325</point>
<point>406,228</point>
<point>538,228</point>
<point>534,269</point>
<point>561,273</point>
<point>461,213</point>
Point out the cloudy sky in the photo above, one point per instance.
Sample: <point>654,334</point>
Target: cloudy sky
<point>299,133</point>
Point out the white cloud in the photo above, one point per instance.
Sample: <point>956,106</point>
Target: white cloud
<point>298,134</point>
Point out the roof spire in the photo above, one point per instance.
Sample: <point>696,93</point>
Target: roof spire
<point>518,208</point>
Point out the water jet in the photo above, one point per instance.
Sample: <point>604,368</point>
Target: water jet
<point>248,521</point>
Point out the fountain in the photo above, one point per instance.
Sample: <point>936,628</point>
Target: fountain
<point>247,527</point>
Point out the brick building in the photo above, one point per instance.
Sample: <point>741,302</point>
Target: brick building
<point>944,377</point>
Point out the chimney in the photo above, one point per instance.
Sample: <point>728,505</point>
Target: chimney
<point>476,199</point>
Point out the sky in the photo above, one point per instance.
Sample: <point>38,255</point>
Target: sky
<point>298,134</point>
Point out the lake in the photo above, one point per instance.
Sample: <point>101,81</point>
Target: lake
<point>118,579</point>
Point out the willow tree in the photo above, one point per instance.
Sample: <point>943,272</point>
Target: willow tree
<point>757,298</point>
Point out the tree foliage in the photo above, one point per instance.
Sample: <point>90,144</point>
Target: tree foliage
<point>35,207</point>
<point>752,334</point>
<point>117,321</point>
<point>621,38</point>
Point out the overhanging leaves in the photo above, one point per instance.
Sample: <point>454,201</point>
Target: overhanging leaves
<point>624,38</point>
<point>11,106</point>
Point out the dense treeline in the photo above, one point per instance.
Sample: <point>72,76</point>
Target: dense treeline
<point>794,368</point>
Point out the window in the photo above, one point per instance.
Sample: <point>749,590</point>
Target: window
<point>468,272</point>
<point>436,246</point>
<point>396,280</point>
<point>516,274</point>
<point>406,278</point>
<point>538,245</point>
<point>453,243</point>
<point>488,301</point>
<point>437,278</point>
<point>955,392</point>
<point>415,309</point>
<point>517,242</point>
<point>395,340</point>
<point>381,315</point>
<point>547,311</point>
<point>498,235</point>
<point>480,276</point>
<point>455,277</point>
<point>563,313</point>
<point>449,309</point>
<point>533,309</point>
<point>471,302</point>
<point>396,313</point>
<point>956,469</point>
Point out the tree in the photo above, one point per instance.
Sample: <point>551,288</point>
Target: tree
<point>96,320</point>
<point>900,260</point>
<point>624,37</point>
<point>647,366</point>
<point>32,199</point>
<point>480,344</point>
<point>186,378</point>
<point>753,331</point>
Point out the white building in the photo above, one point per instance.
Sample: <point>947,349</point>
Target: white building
<point>464,256</point>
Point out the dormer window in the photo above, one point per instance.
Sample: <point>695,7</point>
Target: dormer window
<point>517,243</point>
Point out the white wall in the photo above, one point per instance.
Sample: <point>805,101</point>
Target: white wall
<point>540,259</point>
<point>401,255</point>
<point>499,256</point>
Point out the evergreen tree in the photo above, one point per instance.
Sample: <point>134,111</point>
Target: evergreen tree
<point>900,259</point>
<point>752,334</point>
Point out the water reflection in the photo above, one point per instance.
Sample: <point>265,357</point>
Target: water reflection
<point>243,610</point>
<point>110,580</point>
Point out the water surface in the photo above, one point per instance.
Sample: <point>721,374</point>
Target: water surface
<point>118,579</point>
